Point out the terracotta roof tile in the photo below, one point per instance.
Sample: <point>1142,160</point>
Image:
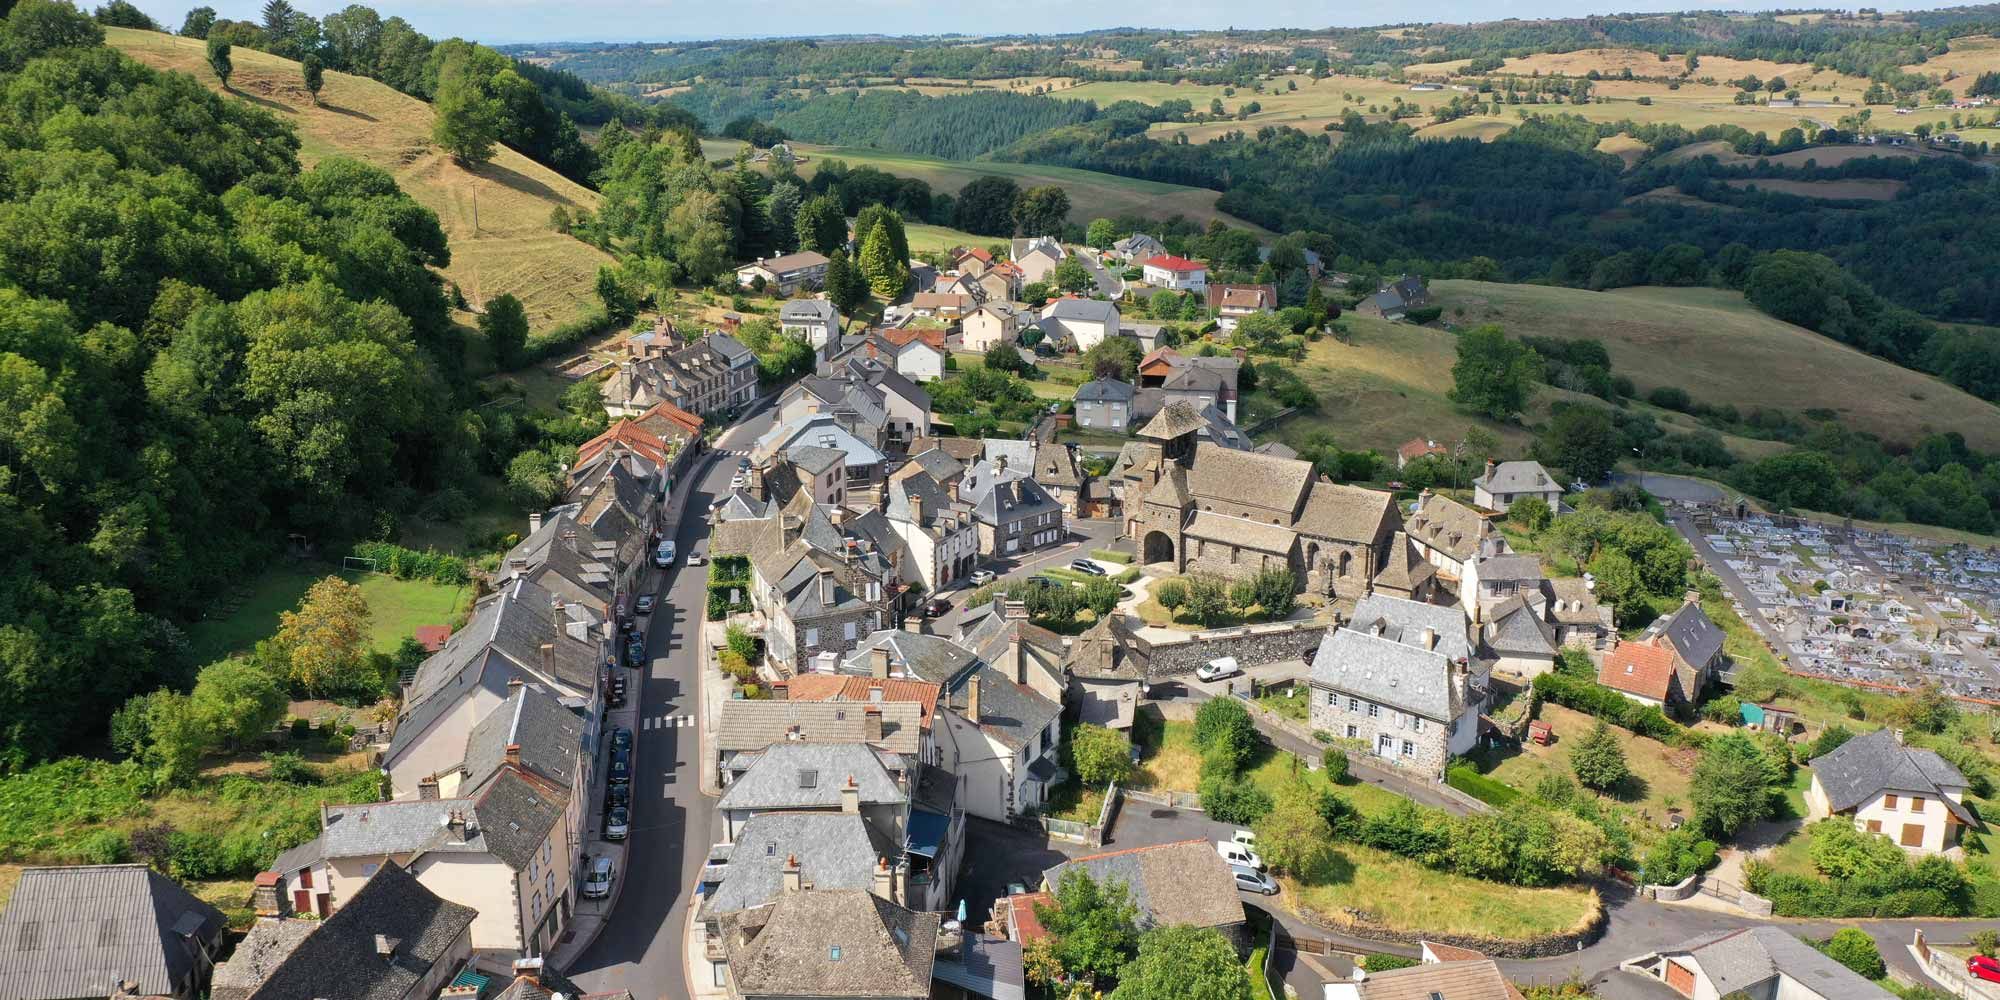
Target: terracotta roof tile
<point>1642,668</point>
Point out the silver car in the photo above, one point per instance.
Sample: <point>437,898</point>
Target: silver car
<point>597,878</point>
<point>1251,880</point>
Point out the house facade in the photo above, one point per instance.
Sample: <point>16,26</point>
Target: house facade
<point>1015,514</point>
<point>814,321</point>
<point>1231,303</point>
<point>1084,322</point>
<point>1104,405</point>
<point>710,375</point>
<point>1505,482</point>
<point>941,533</point>
<point>785,275</point>
<point>1400,678</point>
<point>1176,273</point>
<point>1910,795</point>
<point>995,322</point>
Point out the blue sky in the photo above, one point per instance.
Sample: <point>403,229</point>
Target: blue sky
<point>502,21</point>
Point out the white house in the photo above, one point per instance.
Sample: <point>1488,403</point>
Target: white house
<point>785,275</point>
<point>1505,482</point>
<point>1086,321</point>
<point>814,321</point>
<point>1177,273</point>
<point>941,533</point>
<point>1768,963</point>
<point>990,324</point>
<point>1912,796</point>
<point>919,353</point>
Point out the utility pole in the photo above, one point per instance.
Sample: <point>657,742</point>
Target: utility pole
<point>475,211</point>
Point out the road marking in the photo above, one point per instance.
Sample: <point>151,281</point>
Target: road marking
<point>668,722</point>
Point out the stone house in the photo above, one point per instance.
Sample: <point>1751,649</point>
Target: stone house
<point>862,460</point>
<point>1394,300</point>
<point>1505,482</point>
<point>1401,678</point>
<point>1056,471</point>
<point>941,534</point>
<point>1910,795</point>
<point>816,942</point>
<point>1001,283</point>
<point>395,939</point>
<point>1014,513</point>
<point>816,589</point>
<point>1696,642</point>
<point>822,472</point>
<point>712,374</point>
<point>786,274</point>
<point>1183,883</point>
<point>1201,506</point>
<point>1643,671</point>
<point>1451,536</point>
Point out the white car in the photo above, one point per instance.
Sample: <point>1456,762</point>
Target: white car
<point>597,878</point>
<point>1217,669</point>
<point>1246,838</point>
<point>1237,854</point>
<point>981,577</point>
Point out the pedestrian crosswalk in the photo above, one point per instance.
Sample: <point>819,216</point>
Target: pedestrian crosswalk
<point>735,452</point>
<point>666,722</point>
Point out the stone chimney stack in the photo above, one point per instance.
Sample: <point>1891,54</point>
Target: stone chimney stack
<point>456,824</point>
<point>878,662</point>
<point>428,788</point>
<point>385,946</point>
<point>1430,637</point>
<point>534,522</point>
<point>266,896</point>
<point>885,881</point>
<point>1491,466</point>
<point>972,700</point>
<point>850,796</point>
<point>514,754</point>
<point>871,724</point>
<point>792,882</point>
<point>529,969</point>
<point>549,658</point>
<point>1692,597</point>
<point>1014,611</point>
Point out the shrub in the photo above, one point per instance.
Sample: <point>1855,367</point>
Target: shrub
<point>1233,800</point>
<point>1334,761</point>
<point>102,847</point>
<point>1383,962</point>
<point>287,766</point>
<point>741,642</point>
<point>1222,726</point>
<point>1677,855</point>
<point>1171,594</point>
<point>196,856</point>
<point>1468,780</point>
<point>409,564</point>
<point>1852,947</point>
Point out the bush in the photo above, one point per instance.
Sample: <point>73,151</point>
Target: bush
<point>1677,855</point>
<point>1171,594</point>
<point>1383,962</point>
<point>196,856</point>
<point>1591,698</point>
<point>1468,780</point>
<point>1222,727</point>
<point>1233,800</point>
<point>409,564</point>
<point>1852,947</point>
<point>1334,761</point>
<point>287,766</point>
<point>102,847</point>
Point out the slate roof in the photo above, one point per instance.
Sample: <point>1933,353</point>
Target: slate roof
<point>1003,497</point>
<point>803,310</point>
<point>1509,566</point>
<point>402,826</point>
<point>549,736</point>
<point>1071,310</point>
<point>1473,979</point>
<point>1383,670</point>
<point>924,657</point>
<point>1518,477</point>
<point>833,850</point>
<point>1448,526</point>
<point>1184,882</point>
<point>1518,630</point>
<point>78,931</point>
<point>812,776</point>
<point>1012,713</point>
<point>985,967</point>
<point>754,725</point>
<point>865,690</point>
<point>1104,390</point>
<point>261,952</point>
<point>1405,620</point>
<point>391,905</point>
<point>831,943</point>
<point>939,465</point>
<point>1108,651</point>
<point>1231,530</point>
<point>1348,513</point>
<point>1642,668</point>
<point>1405,569</point>
<point>1247,477</point>
<point>1693,635</point>
<point>1020,454</point>
<point>815,460</point>
<point>1742,959</point>
<point>1176,418</point>
<point>1867,765</point>
<point>516,813</point>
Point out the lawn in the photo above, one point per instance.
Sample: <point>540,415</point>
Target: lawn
<point>496,216</point>
<point>1364,886</point>
<point>1072,802</point>
<point>1384,385</point>
<point>1715,345</point>
<point>1155,614</point>
<point>1660,772</point>
<point>1169,762</point>
<point>397,607</point>
<point>924,237</point>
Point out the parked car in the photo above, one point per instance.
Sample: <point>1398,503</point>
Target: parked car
<point>1984,967</point>
<point>1252,880</point>
<point>937,607</point>
<point>635,651</point>
<point>1218,669</point>
<point>697,559</point>
<point>1246,838</point>
<point>620,771</point>
<point>1086,566</point>
<point>737,482</point>
<point>617,823</point>
<point>621,739</point>
<point>982,577</point>
<point>644,605</point>
<point>664,555</point>
<point>597,878</point>
<point>617,795</point>
<point>1237,854</point>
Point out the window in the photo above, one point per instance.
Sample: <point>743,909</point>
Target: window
<point>1353,705</point>
<point>1353,731</point>
<point>812,637</point>
<point>847,631</point>
<point>1332,699</point>
<point>1889,802</point>
<point>1874,826</point>
<point>1916,803</point>
<point>1409,749</point>
<point>1374,710</point>
<point>1416,724</point>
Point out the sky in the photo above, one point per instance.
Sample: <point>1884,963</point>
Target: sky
<point>505,21</point>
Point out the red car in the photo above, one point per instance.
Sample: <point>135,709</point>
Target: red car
<point>1984,967</point>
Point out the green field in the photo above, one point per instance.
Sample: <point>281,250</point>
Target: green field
<point>1660,773</point>
<point>1091,194</point>
<point>1722,350</point>
<point>396,607</point>
<point>939,238</point>
<point>496,216</point>
<point>1391,891</point>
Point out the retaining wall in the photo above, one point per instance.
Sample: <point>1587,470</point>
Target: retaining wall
<point>1683,889</point>
<point>1252,645</point>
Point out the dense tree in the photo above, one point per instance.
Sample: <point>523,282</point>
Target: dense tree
<point>1294,837</point>
<point>505,324</point>
<point>467,122</point>
<point>1493,376</point>
<point>1222,725</point>
<point>1100,755</point>
<point>534,479</point>
<point>782,208</point>
<point>1580,440</point>
<point>219,61</point>
<point>985,207</point>
<point>312,73</point>
<point>1113,357</point>
<point>122,14</point>
<point>1850,946</point>
<point>846,286</point>
<point>1072,276</point>
<point>1092,926</point>
<point>1040,211</point>
<point>887,274</point>
<point>1598,760</point>
<point>1729,790</point>
<point>237,701</point>
<point>1184,963</point>
<point>820,225</point>
<point>1101,234</point>
<point>197,22</point>
<point>324,643</point>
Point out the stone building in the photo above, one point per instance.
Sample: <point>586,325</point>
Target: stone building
<point>1201,507</point>
<point>1401,678</point>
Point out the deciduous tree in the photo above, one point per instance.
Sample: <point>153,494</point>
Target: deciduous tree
<point>1101,755</point>
<point>219,61</point>
<point>1184,963</point>
<point>1494,376</point>
<point>238,700</point>
<point>312,73</point>
<point>505,324</point>
<point>325,641</point>
<point>467,117</point>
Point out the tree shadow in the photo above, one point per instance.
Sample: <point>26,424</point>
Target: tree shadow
<point>1630,790</point>
<point>1334,868</point>
<point>264,102</point>
<point>349,112</point>
<point>510,178</point>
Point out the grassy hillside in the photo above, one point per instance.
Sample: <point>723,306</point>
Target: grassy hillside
<point>1721,350</point>
<point>1091,194</point>
<point>510,247</point>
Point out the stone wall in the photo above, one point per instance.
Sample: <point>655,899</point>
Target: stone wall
<point>1252,645</point>
<point>1672,893</point>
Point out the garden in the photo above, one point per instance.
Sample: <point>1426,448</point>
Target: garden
<point>1201,601</point>
<point>1059,599</point>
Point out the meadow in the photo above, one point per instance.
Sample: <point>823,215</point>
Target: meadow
<point>396,608</point>
<point>496,215</point>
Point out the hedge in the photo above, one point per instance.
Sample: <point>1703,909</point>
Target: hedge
<point>409,564</point>
<point>560,338</point>
<point>1933,887</point>
<point>1468,780</point>
<point>1592,698</point>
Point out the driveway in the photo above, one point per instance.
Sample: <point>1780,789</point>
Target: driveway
<point>998,855</point>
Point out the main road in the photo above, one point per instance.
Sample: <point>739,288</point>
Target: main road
<point>673,824</point>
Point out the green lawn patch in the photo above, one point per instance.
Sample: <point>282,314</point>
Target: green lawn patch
<point>396,608</point>
<point>1660,772</point>
<point>1293,703</point>
<point>1361,886</point>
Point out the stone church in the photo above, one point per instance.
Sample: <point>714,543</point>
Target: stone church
<point>1206,508</point>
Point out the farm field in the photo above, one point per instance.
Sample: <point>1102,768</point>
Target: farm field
<point>1716,346</point>
<point>1091,194</point>
<point>925,237</point>
<point>396,608</point>
<point>497,217</point>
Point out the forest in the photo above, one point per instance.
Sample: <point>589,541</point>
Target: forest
<point>203,350</point>
<point>736,62</point>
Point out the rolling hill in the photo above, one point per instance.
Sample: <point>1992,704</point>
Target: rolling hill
<point>1713,344</point>
<point>497,216</point>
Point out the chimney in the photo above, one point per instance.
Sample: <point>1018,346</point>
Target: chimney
<point>878,662</point>
<point>791,873</point>
<point>513,685</point>
<point>916,508</point>
<point>826,587</point>
<point>560,612</point>
<point>456,824</point>
<point>850,793</point>
<point>1430,637</point>
<point>972,700</point>
<point>871,724</point>
<point>885,881</point>
<point>1014,611</point>
<point>534,522</point>
<point>266,896</point>
<point>916,625</point>
<point>1377,628</point>
<point>385,945</point>
<point>549,658</point>
<point>529,969</point>
<point>999,466</point>
<point>428,788</point>
<point>1490,467</point>
<point>1692,597</point>
<point>514,754</point>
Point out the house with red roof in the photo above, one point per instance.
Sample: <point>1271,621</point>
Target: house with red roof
<point>1643,670</point>
<point>1416,448</point>
<point>1177,273</point>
